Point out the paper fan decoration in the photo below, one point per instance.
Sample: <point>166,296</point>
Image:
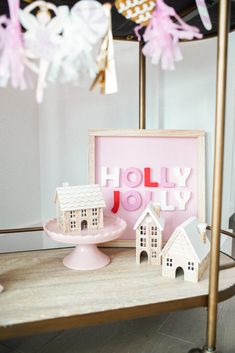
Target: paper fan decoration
<point>84,26</point>
<point>139,11</point>
<point>91,20</point>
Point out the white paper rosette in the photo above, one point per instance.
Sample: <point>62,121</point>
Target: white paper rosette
<point>84,26</point>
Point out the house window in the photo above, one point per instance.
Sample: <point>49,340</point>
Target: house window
<point>72,214</point>
<point>73,224</point>
<point>154,254</point>
<point>191,266</point>
<point>169,262</point>
<point>143,242</point>
<point>94,222</point>
<point>83,213</point>
<point>154,231</point>
<point>94,211</point>
<point>154,243</point>
<point>142,230</point>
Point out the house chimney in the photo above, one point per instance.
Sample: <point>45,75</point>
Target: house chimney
<point>157,207</point>
<point>202,231</point>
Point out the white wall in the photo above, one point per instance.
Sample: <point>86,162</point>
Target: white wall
<point>20,203</point>
<point>65,117</point>
<point>186,100</point>
<point>42,146</point>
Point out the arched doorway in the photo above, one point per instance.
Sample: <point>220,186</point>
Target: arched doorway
<point>83,224</point>
<point>143,256</point>
<point>179,273</point>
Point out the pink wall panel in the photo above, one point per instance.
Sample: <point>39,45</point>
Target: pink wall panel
<point>154,153</point>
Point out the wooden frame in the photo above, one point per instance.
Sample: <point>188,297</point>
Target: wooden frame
<point>199,135</point>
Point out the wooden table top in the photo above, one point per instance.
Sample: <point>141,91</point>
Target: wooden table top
<point>41,294</point>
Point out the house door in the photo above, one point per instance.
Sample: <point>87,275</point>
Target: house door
<point>179,272</point>
<point>83,224</point>
<point>144,256</point>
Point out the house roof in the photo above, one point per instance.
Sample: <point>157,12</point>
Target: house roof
<point>191,231</point>
<point>79,197</point>
<point>158,220</point>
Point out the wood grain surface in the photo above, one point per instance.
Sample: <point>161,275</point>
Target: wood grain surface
<point>41,294</point>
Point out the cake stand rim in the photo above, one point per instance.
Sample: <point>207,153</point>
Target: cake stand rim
<point>86,239</point>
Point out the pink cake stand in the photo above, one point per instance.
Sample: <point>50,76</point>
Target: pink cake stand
<point>86,255</point>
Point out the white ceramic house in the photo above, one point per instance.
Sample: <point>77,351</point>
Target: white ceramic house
<point>79,207</point>
<point>149,231</point>
<point>187,251</point>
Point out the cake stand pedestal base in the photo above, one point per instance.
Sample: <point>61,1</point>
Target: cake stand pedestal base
<point>203,350</point>
<point>86,257</point>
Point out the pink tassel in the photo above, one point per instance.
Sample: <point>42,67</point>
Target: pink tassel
<point>3,24</point>
<point>163,33</point>
<point>11,52</point>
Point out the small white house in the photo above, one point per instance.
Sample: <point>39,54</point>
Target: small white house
<point>187,251</point>
<point>149,232</point>
<point>79,207</point>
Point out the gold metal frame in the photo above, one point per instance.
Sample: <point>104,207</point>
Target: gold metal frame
<point>142,88</point>
<point>40,229</point>
<point>222,50</point>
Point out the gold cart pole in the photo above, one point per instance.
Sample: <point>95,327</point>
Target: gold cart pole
<point>142,88</point>
<point>222,49</point>
<point>218,172</point>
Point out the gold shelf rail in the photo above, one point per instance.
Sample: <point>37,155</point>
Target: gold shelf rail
<point>40,228</point>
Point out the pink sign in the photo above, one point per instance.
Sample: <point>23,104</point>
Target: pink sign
<point>134,167</point>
